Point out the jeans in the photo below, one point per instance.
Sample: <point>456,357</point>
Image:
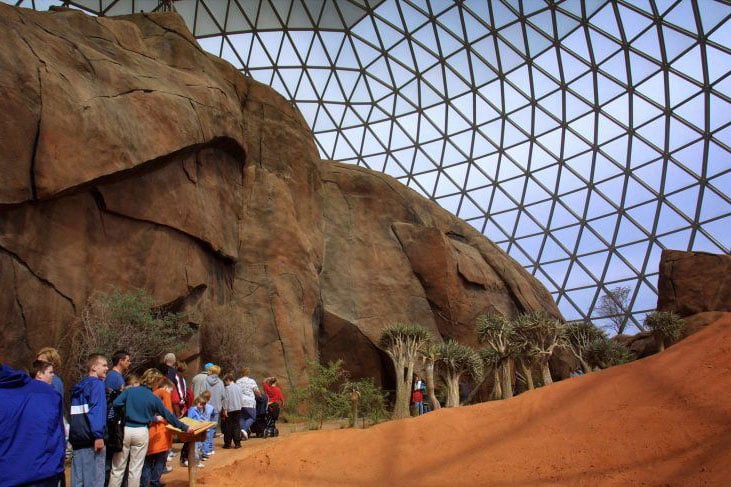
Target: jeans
<point>87,467</point>
<point>153,468</point>
<point>247,418</point>
<point>208,444</point>
<point>419,407</point>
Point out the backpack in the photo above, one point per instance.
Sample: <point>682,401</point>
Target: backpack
<point>115,423</point>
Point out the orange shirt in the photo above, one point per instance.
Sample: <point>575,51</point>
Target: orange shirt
<point>161,438</point>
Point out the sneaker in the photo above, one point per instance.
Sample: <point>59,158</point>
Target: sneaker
<point>184,463</point>
<point>212,452</point>
<point>244,434</point>
<point>168,469</point>
<point>171,455</point>
<point>201,465</point>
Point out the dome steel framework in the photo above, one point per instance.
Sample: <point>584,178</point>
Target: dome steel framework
<point>583,137</point>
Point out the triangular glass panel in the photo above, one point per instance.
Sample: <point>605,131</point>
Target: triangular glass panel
<point>629,232</point>
<point>530,245</point>
<point>637,193</point>
<point>599,206</point>
<point>618,270</point>
<point>606,20</point>
<point>713,206</point>
<point>648,44</point>
<point>686,201</point>
<point>682,15</point>
<point>632,22</point>
<point>579,278</point>
<point>719,112</point>
<point>717,230</point>
<point>677,240</point>
<point>537,42</point>
<point>535,193</point>
<point>701,243</point>
<point>669,220</point>
<point>713,14</point>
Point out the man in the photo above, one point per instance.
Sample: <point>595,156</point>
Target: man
<point>199,380</point>
<point>168,367</point>
<point>114,383</point>
<point>121,362</point>
<point>88,421</point>
<point>31,431</point>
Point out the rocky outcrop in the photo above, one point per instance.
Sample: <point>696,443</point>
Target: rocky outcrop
<point>694,282</point>
<point>131,158</point>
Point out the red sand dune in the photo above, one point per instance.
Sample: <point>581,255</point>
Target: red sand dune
<point>664,420</point>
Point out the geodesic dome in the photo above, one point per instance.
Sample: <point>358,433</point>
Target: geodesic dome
<point>583,137</point>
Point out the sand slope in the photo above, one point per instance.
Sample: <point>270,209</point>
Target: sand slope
<point>664,420</point>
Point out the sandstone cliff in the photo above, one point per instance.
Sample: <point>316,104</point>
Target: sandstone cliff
<point>131,158</point>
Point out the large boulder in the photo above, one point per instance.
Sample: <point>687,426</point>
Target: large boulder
<point>131,158</point>
<point>694,282</point>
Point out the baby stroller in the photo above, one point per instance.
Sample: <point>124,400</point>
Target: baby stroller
<point>266,418</point>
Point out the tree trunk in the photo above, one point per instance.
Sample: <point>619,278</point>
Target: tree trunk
<point>507,379</point>
<point>546,372</point>
<point>660,344</point>
<point>452,382</point>
<point>430,386</point>
<point>528,373</point>
<point>584,366</point>
<point>403,391</point>
<point>497,390</point>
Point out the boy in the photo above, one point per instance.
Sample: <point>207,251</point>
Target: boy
<point>42,371</point>
<point>231,413</point>
<point>88,421</point>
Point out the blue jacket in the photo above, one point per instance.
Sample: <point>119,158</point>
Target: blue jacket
<point>141,406</point>
<point>31,429</point>
<point>88,412</point>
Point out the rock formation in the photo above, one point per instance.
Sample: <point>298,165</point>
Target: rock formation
<point>130,158</point>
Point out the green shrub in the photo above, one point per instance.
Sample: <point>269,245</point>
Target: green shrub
<point>371,403</point>
<point>666,326</point>
<point>320,399</point>
<point>604,353</point>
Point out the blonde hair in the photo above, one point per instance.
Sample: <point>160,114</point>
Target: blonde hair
<point>50,355</point>
<point>206,395</point>
<point>150,378</point>
<point>214,370</point>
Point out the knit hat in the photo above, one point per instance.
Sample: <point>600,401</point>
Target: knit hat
<point>208,366</point>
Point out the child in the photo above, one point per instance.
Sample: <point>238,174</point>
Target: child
<point>161,439</point>
<point>210,416</point>
<point>199,413</point>
<point>231,412</point>
<point>132,380</point>
<point>42,371</point>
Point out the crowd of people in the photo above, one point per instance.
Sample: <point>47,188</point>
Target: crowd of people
<point>116,425</point>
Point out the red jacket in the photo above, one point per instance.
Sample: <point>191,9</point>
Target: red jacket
<point>274,393</point>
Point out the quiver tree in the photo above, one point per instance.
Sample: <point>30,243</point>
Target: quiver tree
<point>428,359</point>
<point>526,356</point>
<point>454,360</point>
<point>539,334</point>
<point>581,334</point>
<point>496,331</point>
<point>665,326</point>
<point>403,344</point>
<point>492,360</point>
<point>603,353</point>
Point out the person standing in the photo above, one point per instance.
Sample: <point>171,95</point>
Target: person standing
<point>199,380</point>
<point>51,355</point>
<point>249,393</point>
<point>42,371</point>
<point>142,407</point>
<point>32,443</point>
<point>182,395</point>
<point>114,384</point>
<point>417,396</point>
<point>215,386</point>
<point>231,413</point>
<point>161,440</point>
<point>87,425</point>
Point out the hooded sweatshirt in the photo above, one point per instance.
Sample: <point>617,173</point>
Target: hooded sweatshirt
<point>88,412</point>
<point>31,429</point>
<point>215,385</point>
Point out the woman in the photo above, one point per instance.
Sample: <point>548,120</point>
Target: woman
<point>276,403</point>
<point>142,407</point>
<point>417,396</point>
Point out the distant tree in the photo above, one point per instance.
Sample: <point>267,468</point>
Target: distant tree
<point>371,404</point>
<point>666,326</point>
<point>580,335</point>
<point>614,305</point>
<point>603,353</point>
<point>539,334</point>
<point>497,332</point>
<point>403,344</point>
<point>454,360</point>
<point>492,360</point>
<point>428,358</point>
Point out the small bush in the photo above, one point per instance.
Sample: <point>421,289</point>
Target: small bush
<point>604,353</point>
<point>372,402</point>
<point>320,398</point>
<point>127,321</point>
<point>666,326</point>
